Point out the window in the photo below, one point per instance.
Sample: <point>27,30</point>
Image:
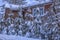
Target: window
<point>35,12</point>
<point>41,11</point>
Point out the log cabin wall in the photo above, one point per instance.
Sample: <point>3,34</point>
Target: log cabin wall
<point>47,6</point>
<point>26,11</point>
<point>8,11</point>
<point>15,13</point>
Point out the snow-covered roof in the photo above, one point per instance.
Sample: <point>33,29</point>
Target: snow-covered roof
<point>7,5</point>
<point>12,6</point>
<point>34,2</point>
<point>27,3</point>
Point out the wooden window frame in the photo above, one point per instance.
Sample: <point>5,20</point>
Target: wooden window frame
<point>40,11</point>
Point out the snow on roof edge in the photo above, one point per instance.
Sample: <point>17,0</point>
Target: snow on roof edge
<point>14,7</point>
<point>23,6</point>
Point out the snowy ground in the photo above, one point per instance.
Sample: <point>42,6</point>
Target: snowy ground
<point>11,37</point>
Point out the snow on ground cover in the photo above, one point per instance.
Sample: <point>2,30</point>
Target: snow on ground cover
<point>12,37</point>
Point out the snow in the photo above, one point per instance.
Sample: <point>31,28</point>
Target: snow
<point>30,3</point>
<point>7,5</point>
<point>34,2</point>
<point>29,28</point>
<point>12,37</point>
<point>12,6</point>
<point>1,3</point>
<point>27,4</point>
<point>1,7</point>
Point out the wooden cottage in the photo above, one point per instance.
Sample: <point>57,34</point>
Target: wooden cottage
<point>31,8</point>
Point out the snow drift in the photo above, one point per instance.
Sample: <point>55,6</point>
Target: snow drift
<point>11,37</point>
